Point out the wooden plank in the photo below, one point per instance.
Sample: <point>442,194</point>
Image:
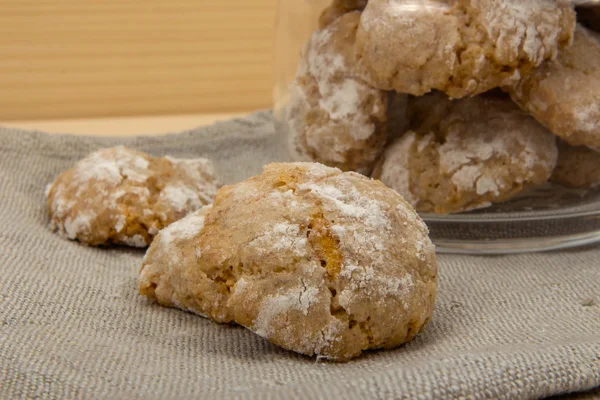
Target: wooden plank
<point>123,126</point>
<point>88,58</point>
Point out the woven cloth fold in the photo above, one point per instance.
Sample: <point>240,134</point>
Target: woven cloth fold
<point>73,326</point>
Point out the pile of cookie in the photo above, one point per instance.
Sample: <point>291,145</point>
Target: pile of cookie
<point>316,260</point>
<point>455,104</point>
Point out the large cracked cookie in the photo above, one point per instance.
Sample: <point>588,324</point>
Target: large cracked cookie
<point>315,260</point>
<point>564,94</point>
<point>460,47</point>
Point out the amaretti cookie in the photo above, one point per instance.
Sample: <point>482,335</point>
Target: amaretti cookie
<point>122,196</point>
<point>315,260</point>
<point>564,94</point>
<point>467,154</point>
<point>334,117</point>
<point>460,47</point>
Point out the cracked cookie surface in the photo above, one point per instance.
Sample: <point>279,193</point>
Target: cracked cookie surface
<point>315,260</point>
<point>460,47</point>
<point>122,196</point>
<point>333,117</point>
<point>564,94</point>
<point>466,154</point>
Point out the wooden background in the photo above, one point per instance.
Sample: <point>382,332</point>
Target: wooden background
<point>94,58</point>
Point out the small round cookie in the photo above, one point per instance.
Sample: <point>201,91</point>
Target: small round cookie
<point>460,47</point>
<point>564,95</point>
<point>467,154</point>
<point>122,196</point>
<point>315,260</point>
<point>334,118</point>
<point>577,167</point>
<point>339,8</point>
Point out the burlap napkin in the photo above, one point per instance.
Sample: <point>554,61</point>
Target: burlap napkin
<point>73,326</point>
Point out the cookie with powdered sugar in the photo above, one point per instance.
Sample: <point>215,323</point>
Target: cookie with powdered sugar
<point>466,154</point>
<point>333,117</point>
<point>564,95</point>
<point>460,47</point>
<point>122,196</point>
<point>315,260</point>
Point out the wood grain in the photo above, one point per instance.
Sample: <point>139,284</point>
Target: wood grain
<point>296,21</point>
<point>88,58</point>
<point>122,126</point>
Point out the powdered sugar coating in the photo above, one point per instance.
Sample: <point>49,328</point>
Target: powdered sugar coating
<point>184,229</point>
<point>298,298</point>
<point>564,95</point>
<point>180,197</point>
<point>461,47</point>
<point>467,154</point>
<point>528,30</point>
<point>349,267</point>
<point>123,196</point>
<point>332,116</point>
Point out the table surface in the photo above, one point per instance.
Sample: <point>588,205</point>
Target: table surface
<point>520,326</point>
<point>123,126</point>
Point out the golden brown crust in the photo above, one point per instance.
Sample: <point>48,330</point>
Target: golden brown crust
<point>123,196</point>
<point>315,260</point>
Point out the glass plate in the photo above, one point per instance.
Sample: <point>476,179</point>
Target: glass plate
<point>546,218</point>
